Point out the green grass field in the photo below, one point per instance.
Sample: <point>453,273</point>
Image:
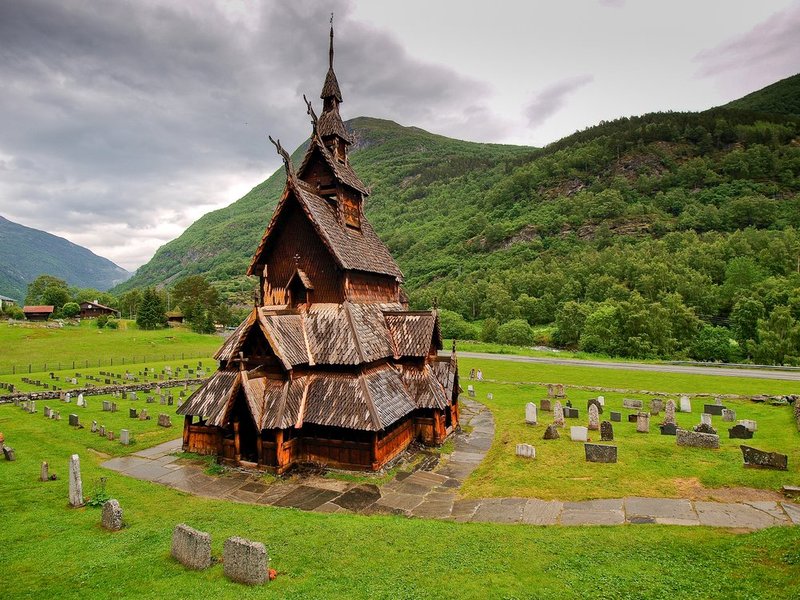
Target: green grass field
<point>58,348</point>
<point>51,550</point>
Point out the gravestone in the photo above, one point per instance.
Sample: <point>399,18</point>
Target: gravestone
<point>560,391</point>
<point>633,418</point>
<point>9,453</point>
<point>616,417</point>
<point>32,406</point>
<point>526,451</point>
<point>132,413</point>
<point>73,420</point>
<point>470,391</point>
<point>596,403</point>
<point>728,415</point>
<point>551,390</point>
<point>759,459</point>
<point>568,404</point>
<point>669,414</point>
<point>102,430</point>
<point>705,418</point>
<point>750,424</point>
<point>740,432</point>
<point>551,433</point>
<point>112,515</point>
<point>558,414</point>
<point>244,561</point>
<point>163,401</point>
<point>47,412</point>
<point>164,421</point>
<point>124,395</point>
<point>150,399</point>
<point>696,439</point>
<point>113,407</point>
<point>133,396</point>
<point>600,453</point>
<point>546,405</point>
<point>75,483</point>
<point>713,409</point>
<point>106,406</point>
<point>124,437</point>
<point>601,400</point>
<point>191,548</point>
<point>668,428</point>
<point>686,404</point>
<point>170,400</point>
<point>632,404</point>
<point>594,418</point>
<point>44,474</point>
<point>656,406</point>
<point>530,413</point>
<point>143,416</point>
<point>571,413</point>
<point>81,400</point>
<point>57,415</point>
<point>704,428</point>
<point>643,422</point>
<point>718,401</point>
<point>578,433</point>
<point>94,426</point>
<point>68,397</point>
<point>606,431</point>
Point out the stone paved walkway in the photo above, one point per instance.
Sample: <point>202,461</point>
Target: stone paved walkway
<point>433,494</point>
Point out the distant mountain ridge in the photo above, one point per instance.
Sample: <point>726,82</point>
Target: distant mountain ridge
<point>781,97</point>
<point>26,253</point>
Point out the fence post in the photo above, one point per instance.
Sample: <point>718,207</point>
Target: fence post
<point>29,368</point>
<point>73,364</point>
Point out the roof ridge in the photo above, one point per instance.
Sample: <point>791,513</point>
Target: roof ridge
<point>373,411</point>
<point>349,315</point>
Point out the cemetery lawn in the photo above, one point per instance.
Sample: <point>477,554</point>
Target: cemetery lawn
<point>649,464</point>
<point>51,550</point>
<point>24,345</point>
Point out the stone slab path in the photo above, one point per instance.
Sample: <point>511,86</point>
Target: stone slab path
<point>433,494</point>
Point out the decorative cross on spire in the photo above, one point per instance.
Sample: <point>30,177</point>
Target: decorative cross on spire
<point>330,52</point>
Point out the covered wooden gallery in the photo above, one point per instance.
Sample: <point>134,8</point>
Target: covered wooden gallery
<point>330,367</point>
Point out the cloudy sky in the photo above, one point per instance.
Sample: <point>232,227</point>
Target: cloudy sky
<point>121,122</point>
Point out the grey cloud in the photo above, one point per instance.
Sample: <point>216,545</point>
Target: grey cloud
<point>767,52</point>
<point>119,116</point>
<point>553,98</point>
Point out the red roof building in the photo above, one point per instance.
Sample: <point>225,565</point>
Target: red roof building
<point>38,313</point>
<point>330,367</point>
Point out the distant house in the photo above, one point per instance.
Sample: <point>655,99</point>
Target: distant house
<point>95,309</point>
<point>174,317</point>
<point>37,313</point>
<point>6,302</point>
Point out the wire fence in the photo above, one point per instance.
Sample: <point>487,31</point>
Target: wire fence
<point>114,361</point>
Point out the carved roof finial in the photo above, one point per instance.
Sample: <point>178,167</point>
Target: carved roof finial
<point>287,160</point>
<point>311,113</point>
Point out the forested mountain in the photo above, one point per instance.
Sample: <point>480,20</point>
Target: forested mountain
<point>665,235</point>
<point>782,97</point>
<point>26,253</point>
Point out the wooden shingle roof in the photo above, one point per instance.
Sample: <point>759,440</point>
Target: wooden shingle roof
<point>343,172</point>
<point>211,400</point>
<point>359,250</point>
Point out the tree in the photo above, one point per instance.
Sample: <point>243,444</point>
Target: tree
<point>454,326</point>
<point>48,290</point>
<point>129,303</point>
<point>151,314</point>
<point>779,338</point>
<point>489,330</point>
<point>744,320</point>
<point>70,309</point>
<point>712,344</point>
<point>516,332</point>
<point>198,300</point>
<point>569,323</point>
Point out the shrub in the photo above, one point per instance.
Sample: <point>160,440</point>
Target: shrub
<point>489,330</point>
<point>70,309</point>
<point>101,321</point>
<point>112,324</point>
<point>516,332</point>
<point>455,326</point>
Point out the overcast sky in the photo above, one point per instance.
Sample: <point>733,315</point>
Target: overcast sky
<point>121,122</point>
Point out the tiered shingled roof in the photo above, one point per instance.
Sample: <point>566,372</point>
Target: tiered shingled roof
<point>352,249</point>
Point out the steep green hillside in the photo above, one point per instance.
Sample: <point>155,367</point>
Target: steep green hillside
<point>26,253</point>
<point>401,164</point>
<point>782,97</point>
<point>665,235</point>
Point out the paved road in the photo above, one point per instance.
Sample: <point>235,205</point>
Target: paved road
<point>629,366</point>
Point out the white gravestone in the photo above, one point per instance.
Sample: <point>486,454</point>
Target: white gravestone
<point>75,483</point>
<point>686,404</point>
<point>530,413</point>
<point>526,451</point>
<point>705,418</point>
<point>578,433</point>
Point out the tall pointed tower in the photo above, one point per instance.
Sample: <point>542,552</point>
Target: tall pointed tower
<point>330,367</point>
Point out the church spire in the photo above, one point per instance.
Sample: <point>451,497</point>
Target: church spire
<point>330,126</point>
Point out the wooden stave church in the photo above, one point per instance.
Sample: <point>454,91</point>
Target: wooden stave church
<point>330,367</point>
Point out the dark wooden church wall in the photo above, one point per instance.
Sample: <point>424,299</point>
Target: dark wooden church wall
<point>297,237</point>
<point>370,287</point>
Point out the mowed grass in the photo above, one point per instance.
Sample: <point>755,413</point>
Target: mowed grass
<point>51,550</point>
<point>23,345</point>
<point>648,464</point>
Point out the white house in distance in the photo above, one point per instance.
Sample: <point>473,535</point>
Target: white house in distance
<point>6,302</point>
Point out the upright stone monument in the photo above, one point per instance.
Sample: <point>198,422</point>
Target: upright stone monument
<point>558,414</point>
<point>75,483</point>
<point>530,413</point>
<point>594,418</point>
